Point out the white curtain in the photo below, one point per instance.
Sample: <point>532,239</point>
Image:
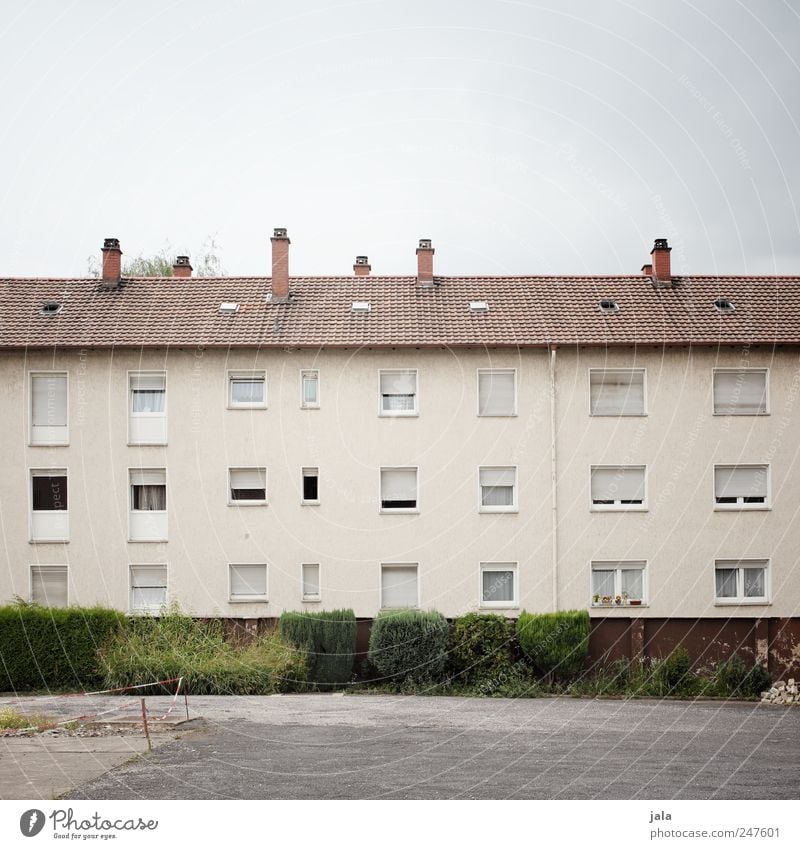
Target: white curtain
<point>498,585</point>
<point>755,583</point>
<point>603,582</point>
<point>398,485</point>
<point>726,583</point>
<point>309,388</point>
<point>618,483</point>
<point>149,489</point>
<point>497,487</point>
<point>740,482</point>
<point>148,587</point>
<point>398,390</point>
<point>617,393</point>
<point>399,586</point>
<point>49,585</point>
<point>496,393</point>
<point>248,580</point>
<point>247,390</point>
<point>148,393</point>
<point>49,407</point>
<point>740,392</point>
<point>632,583</point>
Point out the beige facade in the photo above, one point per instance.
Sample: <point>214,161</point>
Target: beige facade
<point>678,532</point>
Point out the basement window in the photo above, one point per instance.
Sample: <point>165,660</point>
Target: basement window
<point>228,307</point>
<point>51,308</point>
<point>723,305</point>
<point>360,306</point>
<point>478,307</point>
<point>608,306</point>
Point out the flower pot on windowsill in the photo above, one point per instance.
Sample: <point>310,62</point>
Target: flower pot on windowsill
<point>635,602</point>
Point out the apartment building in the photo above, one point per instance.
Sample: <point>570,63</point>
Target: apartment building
<point>243,446</point>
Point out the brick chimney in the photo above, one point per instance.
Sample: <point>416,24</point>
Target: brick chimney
<point>280,266</point>
<point>647,270</point>
<point>182,267</point>
<point>112,262</point>
<point>362,267</point>
<point>662,272</point>
<point>425,263</point>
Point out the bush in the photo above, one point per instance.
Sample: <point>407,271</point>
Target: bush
<point>329,638</point>
<point>735,678</point>
<point>53,648</point>
<point>672,676</point>
<point>410,645</point>
<point>176,645</point>
<point>556,643</point>
<point>481,648</point>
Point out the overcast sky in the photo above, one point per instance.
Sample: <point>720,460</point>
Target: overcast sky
<point>521,137</point>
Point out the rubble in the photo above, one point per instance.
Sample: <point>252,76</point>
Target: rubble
<point>782,693</point>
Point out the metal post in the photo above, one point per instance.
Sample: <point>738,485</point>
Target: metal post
<point>146,729</point>
<point>186,701</point>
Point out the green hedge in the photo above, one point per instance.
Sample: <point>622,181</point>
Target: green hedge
<point>556,643</point>
<point>482,647</point>
<point>409,644</point>
<point>329,638</point>
<point>735,678</point>
<point>53,648</point>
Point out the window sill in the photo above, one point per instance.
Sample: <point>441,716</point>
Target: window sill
<point>160,539</point>
<point>309,406</point>
<point>741,415</point>
<point>398,415</point>
<point>618,508</point>
<point>247,407</point>
<point>750,602</point>
<point>48,444</point>
<point>147,444</point>
<point>508,606</point>
<point>310,503</point>
<point>258,599</point>
<point>612,606</point>
<point>618,415</point>
<point>248,504</point>
<point>317,600</point>
<point>399,511</point>
<point>741,508</point>
<point>498,415</point>
<point>403,607</point>
<point>47,541</point>
<point>496,510</point>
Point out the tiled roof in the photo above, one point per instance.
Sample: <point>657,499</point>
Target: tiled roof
<point>524,311</point>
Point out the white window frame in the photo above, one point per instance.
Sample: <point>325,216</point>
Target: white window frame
<point>631,370</point>
<point>767,403</point>
<point>46,373</point>
<point>499,508</point>
<point>32,472</point>
<point>130,415</point>
<point>135,611</point>
<point>740,505</point>
<point>48,567</point>
<point>500,566</point>
<point>303,404</point>
<point>398,565</point>
<point>742,564</point>
<point>310,502</point>
<point>397,510</point>
<point>249,599</point>
<point>618,566</point>
<point>248,502</point>
<point>310,598</point>
<point>131,511</point>
<point>618,508</point>
<point>478,374</point>
<point>394,414</point>
<point>245,374</point>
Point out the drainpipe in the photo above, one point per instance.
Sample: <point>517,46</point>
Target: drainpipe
<point>553,470</point>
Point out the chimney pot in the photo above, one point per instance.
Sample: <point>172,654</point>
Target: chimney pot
<point>280,265</point>
<point>425,253</point>
<point>112,262</point>
<point>362,267</point>
<point>182,267</point>
<point>662,272</point>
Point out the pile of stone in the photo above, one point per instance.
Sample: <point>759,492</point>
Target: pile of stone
<point>782,693</point>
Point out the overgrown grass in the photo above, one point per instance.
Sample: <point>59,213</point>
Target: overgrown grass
<point>11,719</point>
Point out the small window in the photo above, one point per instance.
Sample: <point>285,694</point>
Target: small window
<point>247,390</point>
<point>49,506</point>
<point>498,489</point>
<point>248,486</point>
<point>49,586</point>
<point>616,392</point>
<point>740,392</point>
<point>399,586</point>
<point>228,307</point>
<point>148,589</point>
<point>741,487</point>
<point>618,487</point>
<point>51,308</point>
<point>478,307</point>
<point>398,393</point>
<point>398,489</point>
<point>723,305</point>
<point>148,500</point>
<point>741,582</point>
<point>310,486</point>
<point>497,392</point>
<point>361,306</point>
<point>49,408</point>
<point>618,583</point>
<point>247,581</point>
<point>147,421</point>
<point>608,306</point>
<point>310,389</point>
<point>498,585</point>
<point>311,585</point>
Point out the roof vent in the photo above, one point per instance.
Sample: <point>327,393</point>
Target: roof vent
<point>478,306</point>
<point>723,305</point>
<point>360,306</point>
<point>51,308</point>
<point>609,306</point>
<point>229,307</point>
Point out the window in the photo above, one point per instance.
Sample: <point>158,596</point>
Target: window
<point>148,590</point>
<point>398,489</point>
<point>247,390</point>
<point>310,389</point>
<point>608,306</point>
<point>311,486</point>
<point>740,392</point>
<point>49,512</point>
<point>398,393</point>
<point>248,486</point>
<point>399,585</point>
<point>741,581</point>
<point>741,487</point>
<point>618,583</point>
<point>616,392</point>
<point>498,489</point>
<point>247,581</point>
<point>147,419</point>
<point>498,585</point>
<point>148,510</point>
<point>618,487</point>
<point>49,586</point>
<point>497,394</point>
<point>49,423</point>
<point>311,585</point>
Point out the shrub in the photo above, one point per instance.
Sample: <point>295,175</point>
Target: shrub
<point>410,645</point>
<point>481,647</point>
<point>176,645</point>
<point>53,647</point>
<point>329,638</point>
<point>673,674</point>
<point>735,678</point>
<point>556,643</point>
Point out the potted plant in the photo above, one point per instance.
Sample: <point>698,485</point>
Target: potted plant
<point>595,599</point>
<point>635,602</point>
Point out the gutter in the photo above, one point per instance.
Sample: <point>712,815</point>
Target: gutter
<point>553,472</point>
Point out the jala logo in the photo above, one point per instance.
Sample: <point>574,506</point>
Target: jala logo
<point>31,822</point>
